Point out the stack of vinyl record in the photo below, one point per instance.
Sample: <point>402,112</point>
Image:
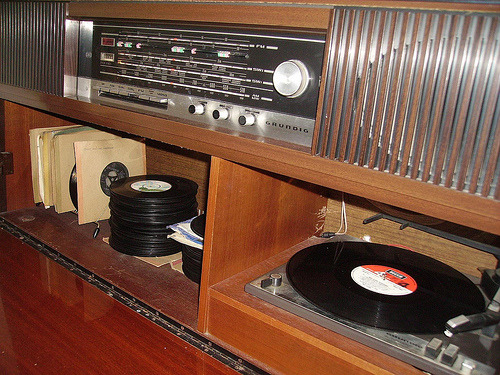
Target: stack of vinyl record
<point>192,257</point>
<point>142,207</point>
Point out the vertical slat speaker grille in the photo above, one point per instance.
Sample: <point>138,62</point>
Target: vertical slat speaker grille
<point>415,94</point>
<point>32,41</point>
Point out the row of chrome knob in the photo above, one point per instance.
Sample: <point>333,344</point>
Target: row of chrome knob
<point>222,113</point>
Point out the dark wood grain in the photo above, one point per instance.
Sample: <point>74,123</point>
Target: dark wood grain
<point>252,215</point>
<point>248,14</point>
<point>162,158</point>
<point>52,322</point>
<point>3,187</point>
<point>246,11</point>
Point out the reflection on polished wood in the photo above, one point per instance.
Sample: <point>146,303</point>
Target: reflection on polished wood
<point>162,288</point>
<point>53,322</point>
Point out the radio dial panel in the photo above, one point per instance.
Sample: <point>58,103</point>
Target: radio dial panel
<point>260,82</point>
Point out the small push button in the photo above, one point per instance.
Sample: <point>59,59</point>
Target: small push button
<point>450,355</point>
<point>433,348</point>
<point>221,114</point>
<point>248,119</point>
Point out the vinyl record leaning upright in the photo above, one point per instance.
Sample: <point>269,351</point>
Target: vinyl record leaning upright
<point>143,206</point>
<point>192,257</point>
<point>383,286</point>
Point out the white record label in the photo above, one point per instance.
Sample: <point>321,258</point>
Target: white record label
<point>151,186</point>
<point>384,280</point>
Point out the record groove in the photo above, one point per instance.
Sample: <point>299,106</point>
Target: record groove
<point>142,207</point>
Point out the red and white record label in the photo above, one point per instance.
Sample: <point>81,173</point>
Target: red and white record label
<point>384,280</point>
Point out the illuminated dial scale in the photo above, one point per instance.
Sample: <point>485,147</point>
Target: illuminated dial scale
<point>261,84</point>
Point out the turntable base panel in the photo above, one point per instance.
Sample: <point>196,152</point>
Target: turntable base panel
<point>473,349</point>
<point>272,334</point>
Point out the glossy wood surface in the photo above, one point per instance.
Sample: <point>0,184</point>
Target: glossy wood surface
<point>162,288</point>
<point>263,15</point>
<point>250,11</point>
<point>3,197</point>
<point>52,322</point>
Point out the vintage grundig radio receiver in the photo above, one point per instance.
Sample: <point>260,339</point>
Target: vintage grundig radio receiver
<point>260,82</point>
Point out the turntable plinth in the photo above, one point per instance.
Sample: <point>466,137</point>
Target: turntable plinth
<point>284,340</point>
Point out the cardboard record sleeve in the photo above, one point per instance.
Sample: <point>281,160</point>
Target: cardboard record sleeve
<point>64,161</point>
<point>98,164</point>
<point>40,153</point>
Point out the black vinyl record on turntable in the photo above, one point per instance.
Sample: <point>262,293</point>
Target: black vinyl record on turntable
<point>383,286</point>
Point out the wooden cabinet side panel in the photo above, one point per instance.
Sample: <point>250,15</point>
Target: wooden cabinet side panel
<point>287,351</point>
<point>252,215</point>
<point>3,195</point>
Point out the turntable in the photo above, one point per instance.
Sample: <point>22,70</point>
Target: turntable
<point>391,299</point>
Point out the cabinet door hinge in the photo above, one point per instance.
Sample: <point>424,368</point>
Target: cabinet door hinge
<point>6,163</point>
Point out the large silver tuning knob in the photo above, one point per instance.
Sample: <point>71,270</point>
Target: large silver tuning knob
<point>291,78</point>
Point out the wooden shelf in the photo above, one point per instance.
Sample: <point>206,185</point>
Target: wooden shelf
<point>428,199</point>
<point>162,288</point>
<point>263,198</point>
